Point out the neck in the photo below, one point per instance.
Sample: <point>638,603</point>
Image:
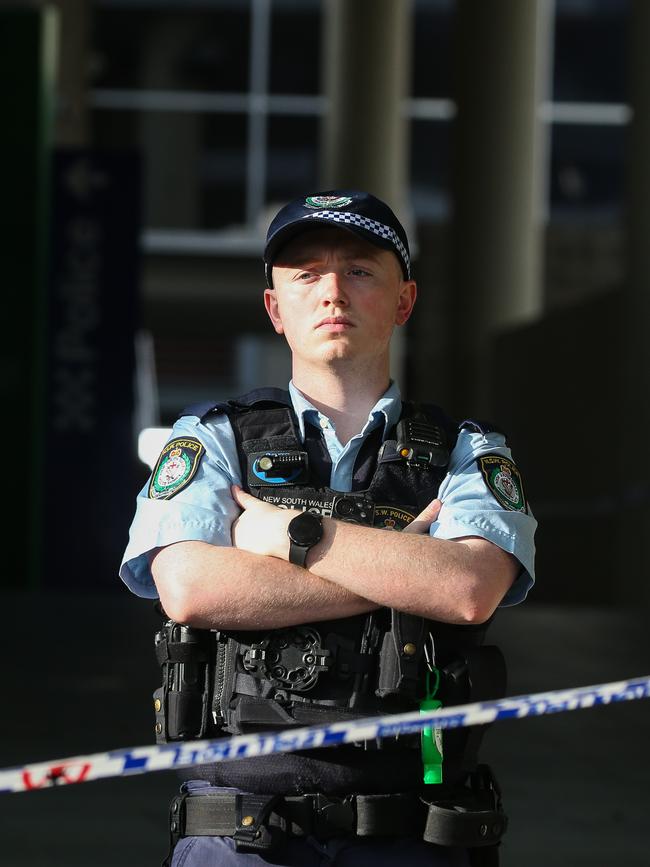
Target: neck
<point>344,397</point>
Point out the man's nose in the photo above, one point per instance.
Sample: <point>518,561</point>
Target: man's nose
<point>334,288</point>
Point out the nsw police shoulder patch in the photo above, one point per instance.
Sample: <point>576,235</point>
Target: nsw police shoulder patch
<point>504,481</point>
<point>176,466</point>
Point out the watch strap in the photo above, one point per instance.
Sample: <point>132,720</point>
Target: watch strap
<point>298,553</point>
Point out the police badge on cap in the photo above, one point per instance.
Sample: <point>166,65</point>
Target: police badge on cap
<point>327,201</point>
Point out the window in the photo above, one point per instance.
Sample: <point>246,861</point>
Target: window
<point>225,98</point>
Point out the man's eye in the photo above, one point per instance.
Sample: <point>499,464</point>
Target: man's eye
<point>359,272</point>
<point>305,275</point>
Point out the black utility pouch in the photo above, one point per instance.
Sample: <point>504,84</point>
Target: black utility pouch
<point>182,704</point>
<point>400,657</point>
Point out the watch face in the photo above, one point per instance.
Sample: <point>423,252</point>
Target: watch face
<point>306,529</point>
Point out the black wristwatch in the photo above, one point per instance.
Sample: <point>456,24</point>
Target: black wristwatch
<point>304,531</point>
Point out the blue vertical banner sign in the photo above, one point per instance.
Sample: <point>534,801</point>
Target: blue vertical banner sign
<point>90,462</point>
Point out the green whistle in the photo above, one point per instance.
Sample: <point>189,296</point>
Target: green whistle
<point>431,739</point>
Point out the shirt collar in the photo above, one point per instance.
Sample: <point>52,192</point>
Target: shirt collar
<point>387,409</point>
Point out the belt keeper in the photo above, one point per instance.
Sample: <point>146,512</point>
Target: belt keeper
<point>176,824</point>
<point>177,817</point>
<point>251,811</point>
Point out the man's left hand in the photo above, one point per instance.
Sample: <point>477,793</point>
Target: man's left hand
<point>261,528</point>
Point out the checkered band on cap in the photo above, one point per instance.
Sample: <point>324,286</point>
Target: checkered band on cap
<point>373,226</point>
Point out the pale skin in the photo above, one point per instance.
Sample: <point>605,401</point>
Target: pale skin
<point>336,299</point>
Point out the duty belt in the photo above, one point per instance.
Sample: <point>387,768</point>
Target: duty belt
<point>474,818</point>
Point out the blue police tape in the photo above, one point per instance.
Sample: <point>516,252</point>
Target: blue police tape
<point>143,760</point>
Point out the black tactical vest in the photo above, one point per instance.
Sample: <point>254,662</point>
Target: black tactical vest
<point>358,666</point>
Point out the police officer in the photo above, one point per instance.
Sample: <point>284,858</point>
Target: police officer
<point>238,532</point>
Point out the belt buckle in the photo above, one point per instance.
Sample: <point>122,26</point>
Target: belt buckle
<point>333,818</point>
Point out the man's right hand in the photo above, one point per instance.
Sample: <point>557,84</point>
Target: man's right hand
<point>422,522</point>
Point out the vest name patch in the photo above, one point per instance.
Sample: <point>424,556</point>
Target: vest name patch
<point>305,504</point>
<point>382,517</point>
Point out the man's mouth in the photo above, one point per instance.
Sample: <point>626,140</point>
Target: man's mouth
<point>334,323</point>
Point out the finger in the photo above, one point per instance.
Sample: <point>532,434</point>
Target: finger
<point>241,497</point>
<point>430,513</point>
<point>427,516</point>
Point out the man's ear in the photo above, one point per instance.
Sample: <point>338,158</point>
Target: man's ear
<point>407,295</point>
<point>271,305</point>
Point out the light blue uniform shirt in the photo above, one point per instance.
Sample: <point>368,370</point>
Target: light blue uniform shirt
<point>204,510</point>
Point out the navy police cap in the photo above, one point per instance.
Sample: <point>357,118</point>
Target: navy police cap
<point>353,210</point>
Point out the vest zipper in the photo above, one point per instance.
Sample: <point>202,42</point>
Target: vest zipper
<point>220,680</point>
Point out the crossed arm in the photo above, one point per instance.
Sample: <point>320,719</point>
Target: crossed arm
<point>353,569</point>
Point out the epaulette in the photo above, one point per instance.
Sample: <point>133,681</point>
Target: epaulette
<point>203,409</point>
<point>480,426</point>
